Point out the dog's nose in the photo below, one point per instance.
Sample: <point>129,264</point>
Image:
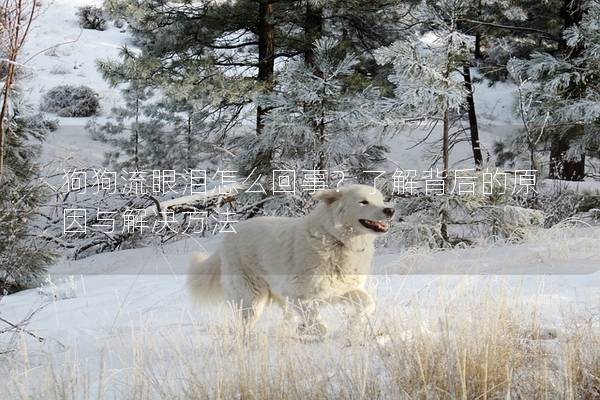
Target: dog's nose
<point>388,211</point>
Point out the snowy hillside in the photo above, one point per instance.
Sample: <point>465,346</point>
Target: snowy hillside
<point>61,52</point>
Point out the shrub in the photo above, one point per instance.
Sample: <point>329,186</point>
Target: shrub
<point>71,101</point>
<point>590,201</point>
<point>91,17</point>
<point>23,256</point>
<point>559,203</point>
<point>119,23</point>
<point>50,124</point>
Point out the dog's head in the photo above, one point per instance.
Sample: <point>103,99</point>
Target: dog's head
<point>358,208</point>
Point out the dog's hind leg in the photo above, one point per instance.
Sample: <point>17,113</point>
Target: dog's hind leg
<point>361,301</point>
<point>290,311</point>
<point>257,305</point>
<point>358,324</point>
<point>312,327</point>
<point>254,295</point>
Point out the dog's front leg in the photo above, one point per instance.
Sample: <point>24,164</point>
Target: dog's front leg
<point>361,301</point>
<point>312,325</point>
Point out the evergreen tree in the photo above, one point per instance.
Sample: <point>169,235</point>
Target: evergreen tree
<point>504,29</point>
<point>232,47</point>
<point>139,139</point>
<point>317,122</point>
<point>501,29</point>
<point>426,70</point>
<point>428,82</point>
<point>23,257</point>
<point>484,21</point>
<point>561,94</point>
<point>204,40</point>
<point>163,124</point>
<point>192,131</point>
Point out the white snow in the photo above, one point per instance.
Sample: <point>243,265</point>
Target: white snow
<point>59,52</point>
<point>110,301</point>
<point>117,299</point>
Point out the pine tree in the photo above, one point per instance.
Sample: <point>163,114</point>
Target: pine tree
<point>482,20</point>
<point>317,122</point>
<point>23,258</point>
<point>139,140</point>
<point>164,123</point>
<point>561,94</point>
<point>585,109</point>
<point>191,132</point>
<point>504,29</point>
<point>427,78</point>
<point>426,71</point>
<point>232,47</point>
<point>203,40</point>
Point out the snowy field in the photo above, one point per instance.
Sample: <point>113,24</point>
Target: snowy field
<point>448,324</point>
<point>122,326</point>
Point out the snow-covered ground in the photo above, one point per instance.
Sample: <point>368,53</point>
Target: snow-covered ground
<point>60,52</point>
<point>99,313</point>
<point>103,309</point>
<point>114,289</point>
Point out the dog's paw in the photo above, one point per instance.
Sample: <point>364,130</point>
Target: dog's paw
<point>312,332</point>
<point>540,334</point>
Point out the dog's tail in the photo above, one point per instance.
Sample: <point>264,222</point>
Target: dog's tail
<point>204,278</point>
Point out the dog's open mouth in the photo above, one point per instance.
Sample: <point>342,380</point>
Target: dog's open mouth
<point>376,226</point>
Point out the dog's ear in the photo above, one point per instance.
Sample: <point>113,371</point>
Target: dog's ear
<point>327,196</point>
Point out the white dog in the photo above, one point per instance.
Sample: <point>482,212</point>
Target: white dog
<point>299,262</point>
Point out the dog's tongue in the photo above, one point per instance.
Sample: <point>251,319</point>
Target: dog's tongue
<point>377,226</point>
<point>380,225</point>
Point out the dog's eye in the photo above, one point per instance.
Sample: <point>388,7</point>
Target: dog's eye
<point>364,202</point>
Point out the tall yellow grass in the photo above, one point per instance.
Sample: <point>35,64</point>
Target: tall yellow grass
<point>488,348</point>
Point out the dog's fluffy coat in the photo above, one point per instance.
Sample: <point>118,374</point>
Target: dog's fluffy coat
<point>298,262</point>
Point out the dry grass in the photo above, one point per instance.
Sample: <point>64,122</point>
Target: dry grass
<point>457,349</point>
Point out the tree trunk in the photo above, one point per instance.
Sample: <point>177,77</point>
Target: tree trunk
<point>136,132</point>
<point>319,127</point>
<point>3,126</point>
<point>313,29</point>
<point>266,55</point>
<point>443,212</point>
<point>477,53</point>
<point>266,61</point>
<point>446,144</point>
<point>532,162</point>
<point>189,142</point>
<point>475,143</point>
<point>560,167</point>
